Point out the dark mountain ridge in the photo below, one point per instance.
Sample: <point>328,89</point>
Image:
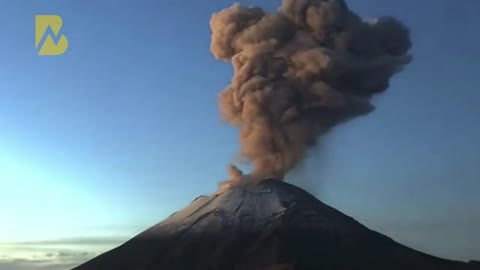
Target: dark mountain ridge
<point>271,225</point>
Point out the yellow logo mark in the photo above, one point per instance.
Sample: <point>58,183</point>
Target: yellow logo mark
<point>49,26</point>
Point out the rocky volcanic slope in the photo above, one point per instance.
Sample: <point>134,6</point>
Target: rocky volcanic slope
<point>273,225</point>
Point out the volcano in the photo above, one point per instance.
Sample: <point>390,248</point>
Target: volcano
<point>266,226</point>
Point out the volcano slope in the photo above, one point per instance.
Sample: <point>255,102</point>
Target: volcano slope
<point>271,225</point>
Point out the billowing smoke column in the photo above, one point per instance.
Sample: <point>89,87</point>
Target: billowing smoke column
<point>299,72</point>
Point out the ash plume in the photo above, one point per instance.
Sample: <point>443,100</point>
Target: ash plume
<point>300,71</point>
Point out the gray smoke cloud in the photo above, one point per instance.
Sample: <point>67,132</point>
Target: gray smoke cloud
<point>298,72</point>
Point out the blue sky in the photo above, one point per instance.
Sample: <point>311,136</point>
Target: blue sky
<point>108,139</point>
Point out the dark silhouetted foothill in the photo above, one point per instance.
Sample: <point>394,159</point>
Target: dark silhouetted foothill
<point>270,225</point>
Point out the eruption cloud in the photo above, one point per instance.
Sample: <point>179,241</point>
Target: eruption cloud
<point>300,71</point>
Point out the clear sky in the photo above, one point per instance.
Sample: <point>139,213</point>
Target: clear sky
<point>110,138</point>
